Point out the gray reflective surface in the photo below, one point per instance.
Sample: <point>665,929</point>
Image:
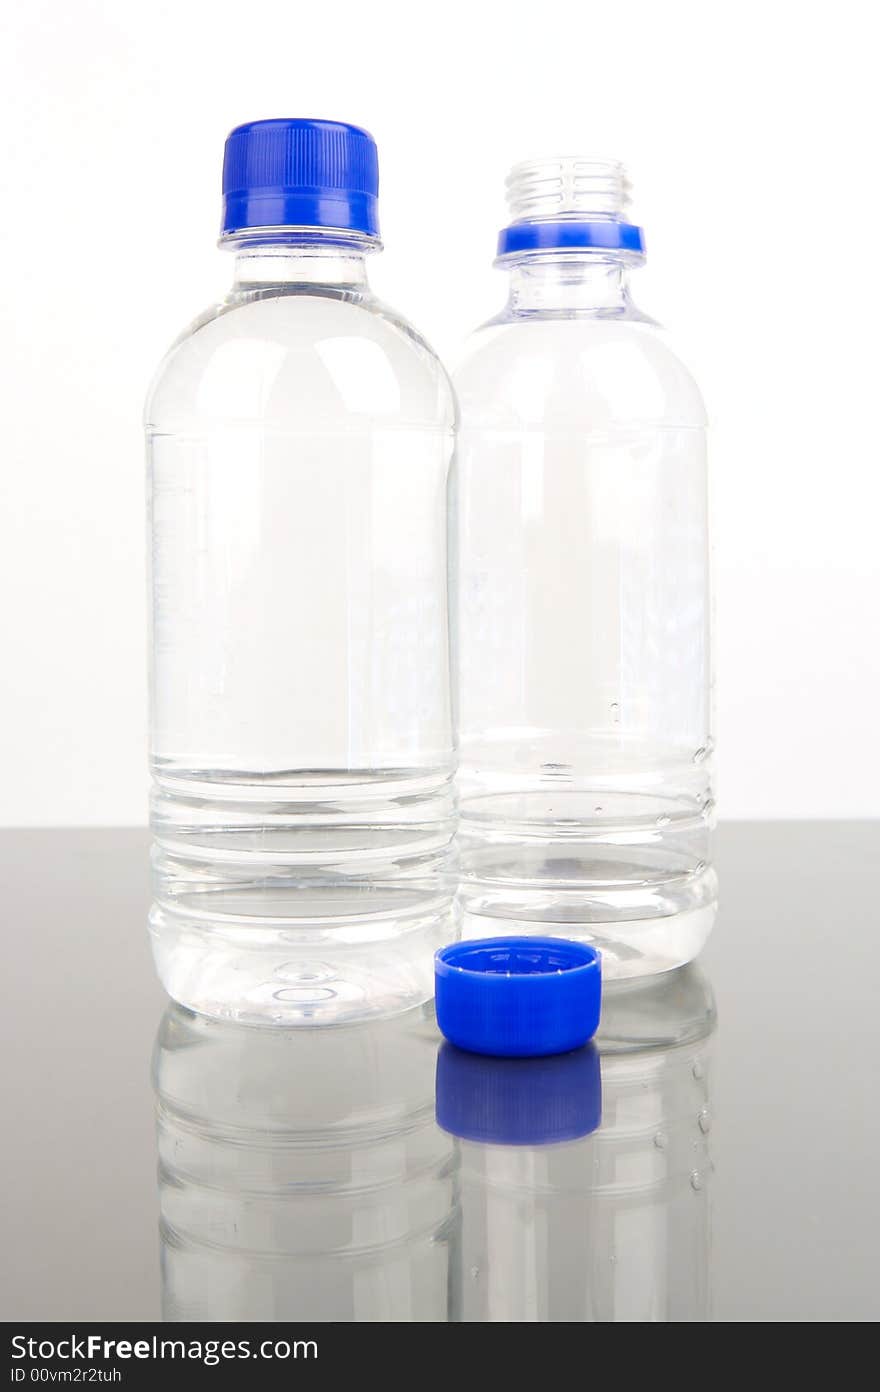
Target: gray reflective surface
<point>302,1174</point>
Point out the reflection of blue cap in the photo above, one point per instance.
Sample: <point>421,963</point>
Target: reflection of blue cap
<point>518,997</point>
<point>518,1101</point>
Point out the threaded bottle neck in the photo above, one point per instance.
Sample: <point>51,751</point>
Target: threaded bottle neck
<point>569,242</point>
<point>569,203</point>
<point>568,186</point>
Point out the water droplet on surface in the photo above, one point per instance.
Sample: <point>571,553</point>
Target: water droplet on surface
<point>597,809</point>
<point>698,1070</point>
<point>475,1271</point>
<point>696,1180</point>
<point>615,712</point>
<point>704,1121</point>
<point>700,754</point>
<point>664,820</point>
<point>660,1140</point>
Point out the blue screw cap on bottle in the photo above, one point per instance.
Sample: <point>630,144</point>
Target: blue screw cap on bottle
<point>300,173</point>
<point>518,997</point>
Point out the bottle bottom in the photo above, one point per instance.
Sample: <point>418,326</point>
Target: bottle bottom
<point>304,897</point>
<point>321,898</point>
<point>629,947</point>
<point>304,954</point>
<point>629,874</point>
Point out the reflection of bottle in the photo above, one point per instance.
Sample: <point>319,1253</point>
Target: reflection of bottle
<point>562,1222</point>
<point>302,1176</point>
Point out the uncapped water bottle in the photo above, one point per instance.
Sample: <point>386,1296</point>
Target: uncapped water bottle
<point>582,595</point>
<point>299,436</point>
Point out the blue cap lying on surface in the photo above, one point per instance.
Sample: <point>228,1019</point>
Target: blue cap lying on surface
<point>518,997</point>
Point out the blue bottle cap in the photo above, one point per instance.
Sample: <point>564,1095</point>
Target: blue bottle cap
<point>300,173</point>
<point>518,997</point>
<point>570,235</point>
<point>518,1102</point>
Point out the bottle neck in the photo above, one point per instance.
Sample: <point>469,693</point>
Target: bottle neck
<point>569,283</point>
<point>310,260</point>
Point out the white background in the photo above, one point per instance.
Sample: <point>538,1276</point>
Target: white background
<point>751,133</point>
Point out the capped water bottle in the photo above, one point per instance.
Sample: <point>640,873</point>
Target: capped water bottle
<point>582,594</point>
<point>299,435</point>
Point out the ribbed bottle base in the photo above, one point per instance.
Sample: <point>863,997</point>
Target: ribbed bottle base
<point>310,903</point>
<point>316,966</point>
<point>630,874</point>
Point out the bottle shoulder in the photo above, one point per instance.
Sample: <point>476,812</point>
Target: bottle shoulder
<point>586,372</point>
<point>300,358</point>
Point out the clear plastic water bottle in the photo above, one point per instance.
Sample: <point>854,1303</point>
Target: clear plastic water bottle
<point>299,435</point>
<point>582,606</point>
